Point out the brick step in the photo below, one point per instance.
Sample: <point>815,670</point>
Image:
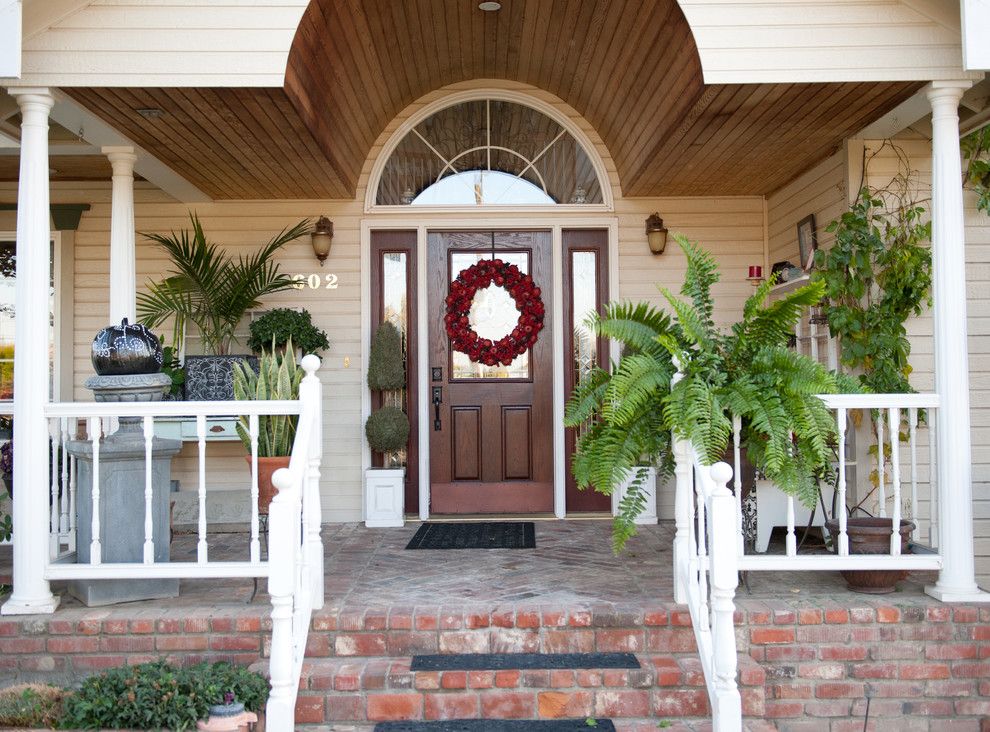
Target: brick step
<point>344,691</point>
<point>397,632</point>
<point>621,725</point>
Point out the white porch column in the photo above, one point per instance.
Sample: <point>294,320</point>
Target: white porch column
<point>122,254</point>
<point>31,592</point>
<point>957,580</point>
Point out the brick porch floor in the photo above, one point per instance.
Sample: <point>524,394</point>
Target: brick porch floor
<point>810,650</point>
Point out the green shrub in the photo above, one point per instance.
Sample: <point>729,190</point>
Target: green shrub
<point>387,430</point>
<point>277,326</point>
<point>159,696</point>
<point>386,365</point>
<point>31,705</point>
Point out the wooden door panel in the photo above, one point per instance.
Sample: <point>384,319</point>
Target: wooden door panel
<point>493,451</point>
<point>466,441</point>
<point>517,442</point>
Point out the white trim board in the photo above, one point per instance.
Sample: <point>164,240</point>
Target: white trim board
<point>423,224</point>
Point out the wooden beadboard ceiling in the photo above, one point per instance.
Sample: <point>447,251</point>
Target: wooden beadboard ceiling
<point>629,67</point>
<point>64,167</point>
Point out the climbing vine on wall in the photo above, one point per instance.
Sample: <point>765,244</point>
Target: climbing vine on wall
<point>976,151</point>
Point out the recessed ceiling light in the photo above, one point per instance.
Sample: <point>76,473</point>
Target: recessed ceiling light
<point>490,7</point>
<point>151,112</point>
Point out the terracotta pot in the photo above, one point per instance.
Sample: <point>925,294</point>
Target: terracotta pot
<point>266,468</point>
<point>872,536</point>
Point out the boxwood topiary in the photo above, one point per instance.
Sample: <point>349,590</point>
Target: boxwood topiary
<point>386,366</point>
<point>387,430</point>
<point>282,324</point>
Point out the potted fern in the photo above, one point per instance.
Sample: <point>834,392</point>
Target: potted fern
<point>746,371</point>
<point>387,430</point>
<point>277,378</point>
<point>212,291</point>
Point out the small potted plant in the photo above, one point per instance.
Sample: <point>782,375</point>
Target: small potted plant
<point>276,327</point>
<point>387,431</point>
<point>277,378</point>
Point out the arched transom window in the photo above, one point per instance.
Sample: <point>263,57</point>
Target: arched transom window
<point>488,152</point>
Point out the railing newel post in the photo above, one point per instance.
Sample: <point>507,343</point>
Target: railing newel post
<point>311,396</point>
<point>282,553</point>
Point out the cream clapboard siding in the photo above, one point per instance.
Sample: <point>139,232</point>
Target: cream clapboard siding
<point>237,43</point>
<point>166,43</point>
<point>745,41</point>
<point>820,191</point>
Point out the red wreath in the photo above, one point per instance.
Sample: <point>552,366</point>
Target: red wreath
<point>522,289</point>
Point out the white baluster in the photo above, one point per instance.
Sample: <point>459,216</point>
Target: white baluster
<point>933,507</point>
<point>283,526</point>
<point>894,421</point>
<point>255,544</point>
<point>95,549</point>
<point>202,552</point>
<point>881,468</point>
<point>702,542</point>
<point>725,578</point>
<point>913,437</point>
<point>149,543</point>
<point>791,538</point>
<point>813,335</point>
<point>63,520</point>
<point>683,499</point>
<point>843,538</point>
<point>53,442</point>
<point>311,394</point>
<point>737,482</point>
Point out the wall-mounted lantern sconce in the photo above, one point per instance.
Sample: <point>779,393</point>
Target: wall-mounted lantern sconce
<point>656,234</point>
<point>322,236</point>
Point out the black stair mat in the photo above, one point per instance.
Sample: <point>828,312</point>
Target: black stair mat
<point>500,725</point>
<point>506,661</point>
<point>475,535</point>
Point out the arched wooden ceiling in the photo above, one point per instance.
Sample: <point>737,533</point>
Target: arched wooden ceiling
<point>630,67</point>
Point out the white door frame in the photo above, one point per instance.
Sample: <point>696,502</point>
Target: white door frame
<point>423,224</point>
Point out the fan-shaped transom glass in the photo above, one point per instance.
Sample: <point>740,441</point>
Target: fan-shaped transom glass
<point>488,152</point>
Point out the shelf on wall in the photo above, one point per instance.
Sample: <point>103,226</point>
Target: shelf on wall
<point>782,287</point>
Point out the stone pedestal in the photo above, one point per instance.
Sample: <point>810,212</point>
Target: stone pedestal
<point>122,505</point>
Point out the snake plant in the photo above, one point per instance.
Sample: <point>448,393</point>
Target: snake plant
<point>277,378</point>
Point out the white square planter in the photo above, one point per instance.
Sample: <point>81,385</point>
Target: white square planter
<point>649,489</point>
<point>384,497</point>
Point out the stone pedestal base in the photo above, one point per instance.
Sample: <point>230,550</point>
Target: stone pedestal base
<point>122,508</point>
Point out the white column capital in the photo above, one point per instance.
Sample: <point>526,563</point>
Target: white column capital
<point>121,157</point>
<point>33,100</point>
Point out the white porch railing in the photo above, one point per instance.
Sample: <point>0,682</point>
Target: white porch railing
<point>294,566</point>
<point>709,546</point>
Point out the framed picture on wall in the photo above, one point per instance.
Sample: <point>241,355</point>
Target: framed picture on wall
<point>807,241</point>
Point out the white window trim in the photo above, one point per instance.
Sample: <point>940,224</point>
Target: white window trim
<point>504,95</point>
<point>62,306</point>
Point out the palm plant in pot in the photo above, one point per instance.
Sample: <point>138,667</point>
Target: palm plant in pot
<point>387,430</point>
<point>277,378</point>
<point>212,291</point>
<point>747,371</point>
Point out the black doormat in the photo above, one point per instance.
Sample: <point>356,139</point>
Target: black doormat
<point>500,725</point>
<point>475,535</point>
<point>503,661</point>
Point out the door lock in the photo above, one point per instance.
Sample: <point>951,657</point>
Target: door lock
<point>437,399</point>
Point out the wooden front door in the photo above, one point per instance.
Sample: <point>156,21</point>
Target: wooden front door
<point>491,433</point>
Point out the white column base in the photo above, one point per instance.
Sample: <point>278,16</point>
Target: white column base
<point>43,607</point>
<point>950,595</point>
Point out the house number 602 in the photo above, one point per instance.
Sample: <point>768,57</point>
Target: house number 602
<point>314,281</point>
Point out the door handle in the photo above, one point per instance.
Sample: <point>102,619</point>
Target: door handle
<point>437,398</point>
